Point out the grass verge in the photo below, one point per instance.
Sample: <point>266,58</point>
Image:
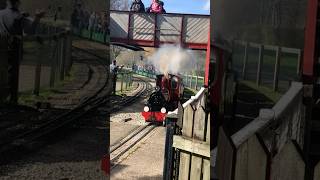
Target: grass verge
<point>269,93</point>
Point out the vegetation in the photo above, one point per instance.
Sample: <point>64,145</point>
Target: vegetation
<point>269,93</point>
<point>29,99</point>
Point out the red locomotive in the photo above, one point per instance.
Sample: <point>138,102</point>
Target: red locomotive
<point>169,91</point>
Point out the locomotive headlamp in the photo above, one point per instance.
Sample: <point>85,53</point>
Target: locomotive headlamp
<point>146,109</point>
<point>163,110</point>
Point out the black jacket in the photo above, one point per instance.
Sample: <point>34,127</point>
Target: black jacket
<point>137,6</point>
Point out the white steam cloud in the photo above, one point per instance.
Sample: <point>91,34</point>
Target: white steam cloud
<point>173,59</point>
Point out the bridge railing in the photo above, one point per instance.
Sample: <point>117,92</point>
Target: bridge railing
<point>269,146</point>
<point>150,29</point>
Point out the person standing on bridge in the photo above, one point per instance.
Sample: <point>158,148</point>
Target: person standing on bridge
<point>156,7</point>
<point>162,5</point>
<point>137,6</point>
<point>13,24</point>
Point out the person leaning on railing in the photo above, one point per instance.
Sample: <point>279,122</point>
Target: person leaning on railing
<point>13,24</point>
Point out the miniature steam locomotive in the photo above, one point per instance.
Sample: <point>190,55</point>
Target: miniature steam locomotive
<point>168,93</point>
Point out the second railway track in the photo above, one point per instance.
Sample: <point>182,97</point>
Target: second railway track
<point>94,97</point>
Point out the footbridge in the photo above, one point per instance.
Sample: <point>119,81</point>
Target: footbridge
<point>152,30</point>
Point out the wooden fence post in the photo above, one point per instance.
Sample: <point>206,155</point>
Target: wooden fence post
<point>191,81</point>
<point>62,58</point>
<point>169,150</point>
<point>121,83</point>
<point>260,63</point>
<point>53,62</point>
<point>68,53</point>
<point>199,133</point>
<point>37,78</point>
<point>185,158</point>
<point>196,85</point>
<point>276,69</point>
<point>299,62</point>
<point>127,80</point>
<point>245,60</point>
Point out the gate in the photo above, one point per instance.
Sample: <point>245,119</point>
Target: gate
<point>187,152</point>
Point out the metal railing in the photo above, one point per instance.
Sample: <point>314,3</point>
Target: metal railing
<point>93,35</point>
<point>125,79</point>
<point>266,65</point>
<point>190,81</point>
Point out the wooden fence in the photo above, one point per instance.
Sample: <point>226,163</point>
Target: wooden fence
<point>187,152</point>
<point>39,53</point>
<point>261,64</point>
<point>267,148</point>
<point>125,79</point>
<point>50,53</point>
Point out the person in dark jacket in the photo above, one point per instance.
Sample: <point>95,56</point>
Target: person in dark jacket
<point>162,4</point>
<point>137,6</point>
<point>13,25</point>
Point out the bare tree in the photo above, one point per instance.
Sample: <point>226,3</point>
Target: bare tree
<point>116,51</point>
<point>119,5</point>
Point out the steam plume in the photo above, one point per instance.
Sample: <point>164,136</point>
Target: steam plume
<point>173,59</point>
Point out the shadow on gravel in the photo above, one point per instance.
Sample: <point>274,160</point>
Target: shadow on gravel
<point>80,143</point>
<point>249,103</point>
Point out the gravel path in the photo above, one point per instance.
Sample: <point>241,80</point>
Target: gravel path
<point>145,160</point>
<point>76,155</point>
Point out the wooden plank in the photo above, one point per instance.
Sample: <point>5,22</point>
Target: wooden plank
<point>187,132</point>
<point>206,163</point>
<point>199,134</point>
<point>252,159</point>
<point>288,164</point>
<point>225,156</point>
<point>197,147</point>
<point>317,172</point>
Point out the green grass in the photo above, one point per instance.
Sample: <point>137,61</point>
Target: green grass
<point>189,92</point>
<point>29,99</point>
<point>58,23</point>
<point>269,93</point>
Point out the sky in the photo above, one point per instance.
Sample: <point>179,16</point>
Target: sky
<point>184,6</point>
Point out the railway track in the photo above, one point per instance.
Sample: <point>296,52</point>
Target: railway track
<point>94,99</point>
<point>119,150</point>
